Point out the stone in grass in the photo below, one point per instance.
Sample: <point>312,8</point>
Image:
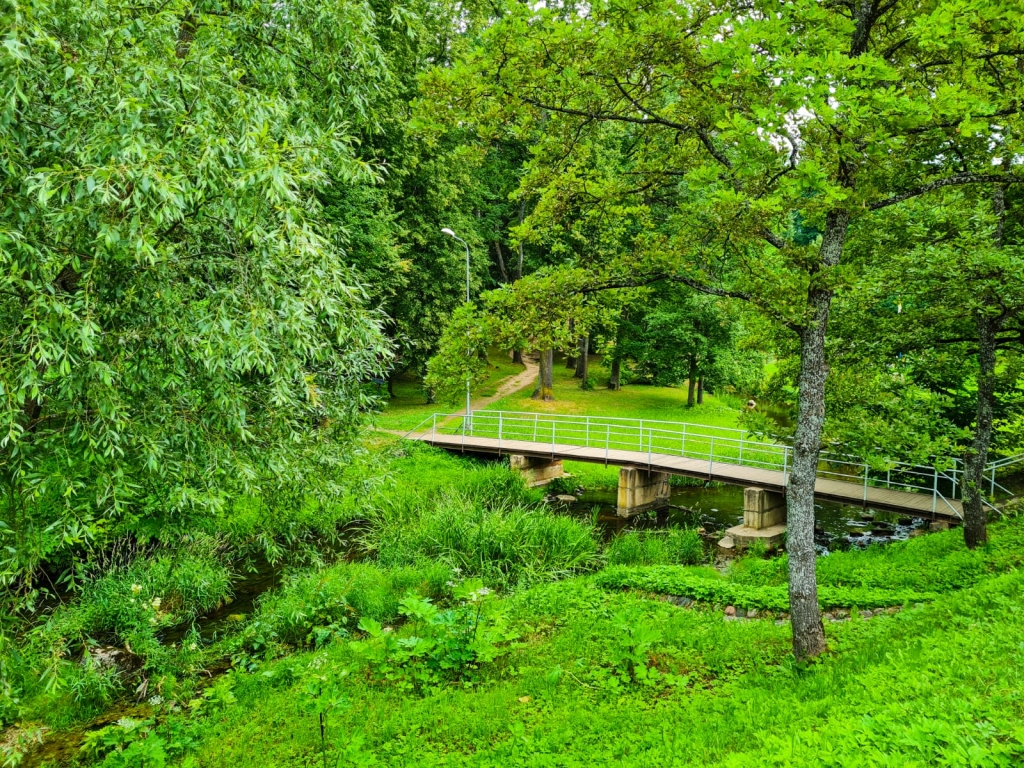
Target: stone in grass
<point>683,602</point>
<point>727,543</point>
<point>938,525</point>
<point>741,613</point>
<point>752,613</point>
<point>566,498</point>
<point>866,614</point>
<point>730,610</point>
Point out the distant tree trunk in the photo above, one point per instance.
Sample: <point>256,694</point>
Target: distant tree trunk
<point>430,395</point>
<point>614,381</point>
<point>583,361</point>
<point>691,383</point>
<point>545,377</point>
<point>975,518</point>
<point>808,631</point>
<point>700,390</point>
<point>517,357</point>
<point>501,262</point>
<point>391,384</point>
<point>570,359</point>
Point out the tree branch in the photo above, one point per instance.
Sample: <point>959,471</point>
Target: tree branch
<point>950,181</point>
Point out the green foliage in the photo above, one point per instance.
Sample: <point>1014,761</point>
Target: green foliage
<point>177,328</point>
<point>676,546</point>
<point>438,646</point>
<point>315,608</point>
<point>679,581</point>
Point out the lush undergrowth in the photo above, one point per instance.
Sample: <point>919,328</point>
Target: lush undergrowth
<point>573,674</point>
<point>479,627</point>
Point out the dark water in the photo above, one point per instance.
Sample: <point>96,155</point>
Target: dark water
<point>716,508</point>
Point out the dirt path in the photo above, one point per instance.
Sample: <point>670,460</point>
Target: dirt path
<point>507,387</point>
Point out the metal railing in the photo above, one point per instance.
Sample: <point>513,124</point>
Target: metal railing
<point>943,480</point>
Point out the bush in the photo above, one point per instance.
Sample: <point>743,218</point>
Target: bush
<point>677,546</point>
<point>313,608</point>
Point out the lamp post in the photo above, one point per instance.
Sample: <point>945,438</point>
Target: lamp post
<point>451,234</point>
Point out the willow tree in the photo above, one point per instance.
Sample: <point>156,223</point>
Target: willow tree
<point>755,133</point>
<point>175,327</point>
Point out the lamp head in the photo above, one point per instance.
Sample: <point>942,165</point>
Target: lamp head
<point>448,232</point>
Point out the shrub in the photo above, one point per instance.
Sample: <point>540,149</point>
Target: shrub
<point>313,608</point>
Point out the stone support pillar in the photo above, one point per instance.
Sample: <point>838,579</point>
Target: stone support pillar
<point>536,471</point>
<point>640,490</point>
<point>763,509</point>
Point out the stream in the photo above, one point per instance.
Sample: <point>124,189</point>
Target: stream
<point>717,507</point>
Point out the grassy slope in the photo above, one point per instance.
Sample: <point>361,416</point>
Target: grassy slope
<point>935,684</point>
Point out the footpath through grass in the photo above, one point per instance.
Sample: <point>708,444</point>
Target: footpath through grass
<point>484,629</point>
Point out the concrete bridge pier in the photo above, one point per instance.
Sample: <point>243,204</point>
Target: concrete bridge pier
<point>641,490</point>
<point>764,519</point>
<point>535,471</point>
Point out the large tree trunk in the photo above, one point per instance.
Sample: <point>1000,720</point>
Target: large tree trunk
<point>615,381</point>
<point>700,390</point>
<point>517,357</point>
<point>583,362</point>
<point>545,377</point>
<point>808,631</point>
<point>691,383</point>
<point>975,518</point>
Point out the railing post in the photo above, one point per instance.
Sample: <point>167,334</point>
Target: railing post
<point>499,432</point>
<point>741,451</point>
<point>641,434</point>
<point>682,449</point>
<point>954,482</point>
<point>711,455</point>
<point>935,489</point>
<point>992,487</point>
<point>866,468</point>
<point>785,464</point>
<point>607,442</point>
<point>535,427</point>
<point>650,446</point>
<point>586,433</point>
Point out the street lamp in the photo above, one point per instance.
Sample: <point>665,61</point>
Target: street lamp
<point>451,234</point>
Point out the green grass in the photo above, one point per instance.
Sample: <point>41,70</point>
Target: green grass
<point>633,401</point>
<point>936,684</point>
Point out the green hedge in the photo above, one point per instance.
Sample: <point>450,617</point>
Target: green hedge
<point>675,580</point>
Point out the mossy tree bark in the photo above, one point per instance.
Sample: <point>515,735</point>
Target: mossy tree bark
<point>545,377</point>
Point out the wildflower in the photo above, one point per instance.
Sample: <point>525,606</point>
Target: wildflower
<point>136,588</point>
<point>456,570</point>
<point>127,723</point>
<point>156,602</point>
<point>156,701</point>
<point>192,646</point>
<point>152,619</point>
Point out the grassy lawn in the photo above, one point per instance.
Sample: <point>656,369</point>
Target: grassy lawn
<point>633,401</point>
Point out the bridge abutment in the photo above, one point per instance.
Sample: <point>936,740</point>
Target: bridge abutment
<point>641,490</point>
<point>535,471</point>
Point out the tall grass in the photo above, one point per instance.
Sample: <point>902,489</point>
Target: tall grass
<point>504,543</point>
<point>676,546</point>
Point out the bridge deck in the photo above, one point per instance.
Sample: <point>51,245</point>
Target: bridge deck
<point>918,504</point>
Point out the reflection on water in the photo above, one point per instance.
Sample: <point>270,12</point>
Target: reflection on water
<point>716,508</point>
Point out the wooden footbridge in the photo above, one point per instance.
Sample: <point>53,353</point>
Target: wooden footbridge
<point>649,451</point>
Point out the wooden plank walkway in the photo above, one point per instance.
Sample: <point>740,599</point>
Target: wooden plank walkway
<point>917,504</point>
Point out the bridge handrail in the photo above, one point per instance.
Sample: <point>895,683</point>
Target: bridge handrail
<point>698,441</point>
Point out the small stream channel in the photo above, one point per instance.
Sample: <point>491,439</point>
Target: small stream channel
<point>716,508</point>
